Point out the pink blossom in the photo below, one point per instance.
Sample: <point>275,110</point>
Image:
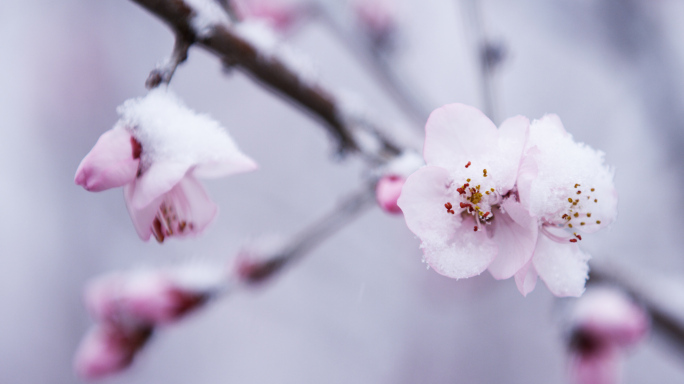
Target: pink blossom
<point>378,17</point>
<point>157,151</point>
<point>603,324</point>
<point>566,186</point>
<point>387,192</point>
<point>128,307</point>
<point>281,15</point>
<point>109,349</point>
<point>463,205</point>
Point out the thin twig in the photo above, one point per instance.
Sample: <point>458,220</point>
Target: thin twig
<point>164,72</point>
<point>256,271</point>
<point>474,23</point>
<point>376,60</point>
<point>271,73</point>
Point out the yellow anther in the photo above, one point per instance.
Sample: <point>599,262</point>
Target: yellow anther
<point>468,180</point>
<point>589,214</point>
<point>576,214</point>
<point>577,185</point>
<point>595,200</point>
<point>569,199</point>
<point>484,172</point>
<point>582,223</point>
<point>592,189</point>
<point>569,225</point>
<point>598,221</point>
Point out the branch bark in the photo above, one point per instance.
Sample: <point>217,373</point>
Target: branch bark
<point>271,73</point>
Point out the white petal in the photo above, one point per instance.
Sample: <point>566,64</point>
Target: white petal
<point>563,267</point>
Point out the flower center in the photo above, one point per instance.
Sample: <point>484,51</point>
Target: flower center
<point>578,212</point>
<point>476,200</point>
<point>168,223</point>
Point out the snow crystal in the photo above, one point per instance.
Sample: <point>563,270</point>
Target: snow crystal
<point>207,14</point>
<point>267,41</point>
<point>170,131</point>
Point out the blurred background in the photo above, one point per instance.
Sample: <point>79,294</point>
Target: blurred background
<point>361,308</point>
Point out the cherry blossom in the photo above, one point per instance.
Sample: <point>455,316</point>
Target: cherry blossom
<point>128,307</point>
<point>462,204</point>
<point>603,324</point>
<point>515,201</point>
<point>156,151</point>
<point>567,187</point>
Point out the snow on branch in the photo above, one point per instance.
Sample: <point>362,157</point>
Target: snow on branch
<point>217,36</point>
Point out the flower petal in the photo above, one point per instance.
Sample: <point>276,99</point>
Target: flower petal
<point>422,201</point>
<point>467,254</point>
<point>563,267</point>
<point>455,133</point>
<point>526,278</point>
<point>142,217</point>
<point>158,179</point>
<point>194,205</point>
<point>110,163</point>
<point>512,137</point>
<point>235,162</point>
<point>515,232</point>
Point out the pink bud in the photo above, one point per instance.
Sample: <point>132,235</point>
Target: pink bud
<point>113,162</point>
<point>387,192</point>
<point>108,349</point>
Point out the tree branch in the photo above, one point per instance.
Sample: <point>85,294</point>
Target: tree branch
<point>271,73</point>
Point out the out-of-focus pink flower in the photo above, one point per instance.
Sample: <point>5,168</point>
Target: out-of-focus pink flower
<point>387,192</point>
<point>378,17</point>
<point>280,15</point>
<point>128,307</point>
<point>157,151</point>
<point>566,186</point>
<point>603,324</point>
<point>108,349</point>
<point>463,205</point>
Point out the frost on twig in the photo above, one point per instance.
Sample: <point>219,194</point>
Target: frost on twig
<point>258,265</point>
<point>164,72</point>
<point>275,75</point>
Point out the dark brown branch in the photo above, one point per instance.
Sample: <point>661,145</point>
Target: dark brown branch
<point>268,71</point>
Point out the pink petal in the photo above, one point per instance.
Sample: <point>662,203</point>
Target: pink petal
<point>512,138</point>
<point>422,201</point>
<point>563,267</point>
<point>142,218</point>
<point>387,193</point>
<point>110,163</point>
<point>526,278</point>
<point>189,211</point>
<point>237,162</point>
<point>515,232</point>
<point>467,254</point>
<point>456,133</point>
<point>158,179</point>
<point>108,349</point>
<point>599,367</point>
<point>527,172</point>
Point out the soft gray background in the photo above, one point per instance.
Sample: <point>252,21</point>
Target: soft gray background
<point>362,308</point>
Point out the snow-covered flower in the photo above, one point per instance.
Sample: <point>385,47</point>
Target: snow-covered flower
<point>514,201</point>
<point>156,151</point>
<point>567,187</point>
<point>128,307</point>
<point>462,204</point>
<point>602,325</point>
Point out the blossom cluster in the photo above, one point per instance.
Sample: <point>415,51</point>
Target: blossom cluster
<point>128,307</point>
<point>514,200</point>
